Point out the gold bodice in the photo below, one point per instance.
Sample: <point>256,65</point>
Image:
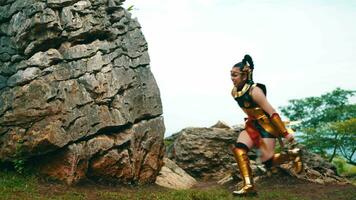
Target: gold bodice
<point>258,114</point>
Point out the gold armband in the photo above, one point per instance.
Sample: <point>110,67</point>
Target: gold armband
<point>277,122</point>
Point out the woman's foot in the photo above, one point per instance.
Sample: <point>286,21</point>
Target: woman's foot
<point>296,157</point>
<point>243,162</point>
<point>246,190</point>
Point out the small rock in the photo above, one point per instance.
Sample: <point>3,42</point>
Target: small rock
<point>174,177</point>
<point>221,124</point>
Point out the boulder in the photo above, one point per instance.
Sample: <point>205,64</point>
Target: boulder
<point>174,177</point>
<point>77,96</point>
<point>204,153</point>
<point>316,169</point>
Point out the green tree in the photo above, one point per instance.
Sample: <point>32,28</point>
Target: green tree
<point>347,143</point>
<point>327,123</point>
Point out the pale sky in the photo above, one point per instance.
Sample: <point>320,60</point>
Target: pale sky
<point>300,49</point>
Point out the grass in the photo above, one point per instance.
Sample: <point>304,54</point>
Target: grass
<point>19,186</point>
<point>12,183</point>
<point>22,187</point>
<point>193,194</point>
<point>168,142</point>
<point>344,168</point>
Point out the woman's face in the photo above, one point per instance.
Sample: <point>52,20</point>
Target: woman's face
<point>238,78</point>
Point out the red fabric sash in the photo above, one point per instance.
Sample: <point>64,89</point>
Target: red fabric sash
<point>253,133</point>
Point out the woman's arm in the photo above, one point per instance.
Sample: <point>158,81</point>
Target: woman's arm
<point>259,97</point>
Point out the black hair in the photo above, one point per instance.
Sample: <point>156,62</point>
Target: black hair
<point>247,59</point>
<point>242,64</point>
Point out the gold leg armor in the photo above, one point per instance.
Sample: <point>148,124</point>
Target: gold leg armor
<point>292,155</point>
<point>246,173</point>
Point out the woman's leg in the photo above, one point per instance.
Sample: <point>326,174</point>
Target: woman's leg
<point>270,159</point>
<point>244,143</point>
<point>245,139</point>
<point>267,148</point>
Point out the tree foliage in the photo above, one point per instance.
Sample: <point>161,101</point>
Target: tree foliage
<point>328,123</point>
<point>347,141</point>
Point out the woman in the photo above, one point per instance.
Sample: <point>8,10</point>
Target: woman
<point>263,126</point>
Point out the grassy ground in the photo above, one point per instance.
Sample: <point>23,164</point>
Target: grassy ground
<point>15,186</point>
<point>344,168</point>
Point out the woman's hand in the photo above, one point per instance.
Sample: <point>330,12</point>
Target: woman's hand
<point>290,138</point>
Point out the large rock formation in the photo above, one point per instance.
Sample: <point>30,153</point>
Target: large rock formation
<point>205,153</point>
<point>76,91</point>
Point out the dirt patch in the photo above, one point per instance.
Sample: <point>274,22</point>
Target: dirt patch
<point>276,187</point>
